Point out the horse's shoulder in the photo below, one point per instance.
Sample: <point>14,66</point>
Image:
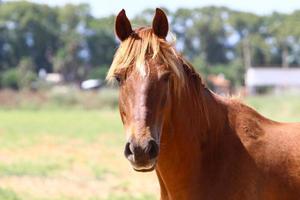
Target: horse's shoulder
<point>247,123</point>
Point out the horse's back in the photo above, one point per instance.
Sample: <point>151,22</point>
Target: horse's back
<point>282,152</point>
<point>275,148</point>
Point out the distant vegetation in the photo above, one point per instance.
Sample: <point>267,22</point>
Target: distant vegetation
<point>70,41</point>
<point>59,98</point>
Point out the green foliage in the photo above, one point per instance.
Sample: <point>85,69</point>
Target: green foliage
<point>70,41</point>
<point>60,98</point>
<point>26,73</point>
<point>63,39</point>
<point>105,98</point>
<point>98,72</point>
<point>233,71</point>
<point>20,77</point>
<point>10,79</point>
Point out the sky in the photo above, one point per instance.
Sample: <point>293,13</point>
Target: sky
<point>102,8</point>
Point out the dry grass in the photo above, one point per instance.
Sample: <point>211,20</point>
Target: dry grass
<point>57,97</point>
<point>84,162</point>
<point>87,170</point>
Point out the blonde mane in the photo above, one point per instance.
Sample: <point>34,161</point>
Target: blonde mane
<point>143,42</point>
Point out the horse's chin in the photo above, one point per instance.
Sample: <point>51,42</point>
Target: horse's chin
<point>144,169</point>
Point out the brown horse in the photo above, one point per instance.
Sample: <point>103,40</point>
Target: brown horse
<point>201,145</point>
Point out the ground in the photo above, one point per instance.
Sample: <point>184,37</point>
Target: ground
<point>70,153</point>
<point>67,154</point>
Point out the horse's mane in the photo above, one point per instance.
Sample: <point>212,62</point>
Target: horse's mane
<point>133,52</point>
<point>142,43</point>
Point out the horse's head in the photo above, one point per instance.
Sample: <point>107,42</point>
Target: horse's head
<point>144,66</point>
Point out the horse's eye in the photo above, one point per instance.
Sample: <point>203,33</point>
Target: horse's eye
<point>165,76</point>
<point>118,79</point>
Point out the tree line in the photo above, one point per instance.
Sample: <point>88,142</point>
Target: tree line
<point>69,40</point>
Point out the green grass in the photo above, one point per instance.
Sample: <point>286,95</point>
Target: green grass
<point>6,194</point>
<point>53,145</point>
<point>30,168</point>
<point>49,148</point>
<point>19,127</point>
<point>277,107</point>
<point>100,171</point>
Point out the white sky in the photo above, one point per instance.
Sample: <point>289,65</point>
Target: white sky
<point>106,7</point>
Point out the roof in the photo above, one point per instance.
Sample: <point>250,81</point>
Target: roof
<point>273,77</point>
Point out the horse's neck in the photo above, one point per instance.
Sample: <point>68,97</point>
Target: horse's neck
<point>186,132</point>
<point>196,119</point>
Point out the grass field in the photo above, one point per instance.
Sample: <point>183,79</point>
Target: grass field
<point>73,153</point>
<point>277,107</point>
<point>66,154</point>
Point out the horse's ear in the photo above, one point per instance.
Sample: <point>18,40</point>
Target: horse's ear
<point>122,26</point>
<point>160,24</point>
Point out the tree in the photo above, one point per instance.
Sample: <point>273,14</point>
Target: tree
<point>70,41</point>
<point>285,28</point>
<point>243,26</point>
<point>30,31</point>
<point>202,31</point>
<point>101,42</point>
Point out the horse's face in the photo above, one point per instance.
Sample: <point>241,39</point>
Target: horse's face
<point>143,100</point>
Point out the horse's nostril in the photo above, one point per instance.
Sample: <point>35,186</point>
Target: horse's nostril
<point>127,150</point>
<point>140,154</point>
<point>152,149</point>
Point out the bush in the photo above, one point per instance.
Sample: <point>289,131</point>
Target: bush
<point>21,77</point>
<point>27,79</point>
<point>72,97</point>
<point>98,73</point>
<point>233,71</point>
<point>10,79</point>
<point>26,73</point>
<point>15,80</point>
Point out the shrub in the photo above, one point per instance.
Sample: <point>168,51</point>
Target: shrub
<point>98,72</point>
<point>233,71</point>
<point>21,77</point>
<point>27,79</point>
<point>26,73</point>
<point>10,79</point>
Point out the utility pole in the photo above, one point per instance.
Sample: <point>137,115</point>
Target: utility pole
<point>246,53</point>
<point>285,56</point>
<point>246,56</point>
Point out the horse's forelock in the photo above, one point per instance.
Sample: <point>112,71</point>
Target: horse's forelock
<point>133,51</point>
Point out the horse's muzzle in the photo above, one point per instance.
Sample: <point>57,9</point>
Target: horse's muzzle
<point>142,157</point>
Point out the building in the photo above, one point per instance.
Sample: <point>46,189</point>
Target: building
<point>277,78</point>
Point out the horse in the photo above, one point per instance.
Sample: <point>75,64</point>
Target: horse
<point>201,145</point>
